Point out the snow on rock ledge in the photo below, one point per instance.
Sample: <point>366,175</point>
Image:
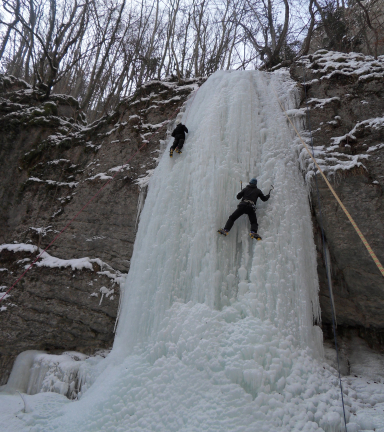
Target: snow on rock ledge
<point>47,260</point>
<point>325,64</point>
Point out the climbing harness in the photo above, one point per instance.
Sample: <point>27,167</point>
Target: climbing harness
<point>249,202</point>
<point>80,211</point>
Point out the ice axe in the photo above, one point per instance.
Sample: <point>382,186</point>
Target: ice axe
<point>271,189</point>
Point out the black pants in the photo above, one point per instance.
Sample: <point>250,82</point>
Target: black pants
<point>242,209</point>
<point>179,142</point>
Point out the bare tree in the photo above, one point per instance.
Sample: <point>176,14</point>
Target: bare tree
<point>12,25</point>
<point>106,42</point>
<point>366,9</point>
<point>101,50</point>
<point>263,31</point>
<point>307,41</point>
<point>65,26</point>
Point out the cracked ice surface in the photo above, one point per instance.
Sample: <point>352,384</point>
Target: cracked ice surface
<point>217,334</point>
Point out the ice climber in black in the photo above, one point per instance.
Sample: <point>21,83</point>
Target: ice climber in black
<point>247,206</point>
<point>179,135</point>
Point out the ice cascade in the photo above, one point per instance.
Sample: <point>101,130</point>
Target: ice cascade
<point>237,132</point>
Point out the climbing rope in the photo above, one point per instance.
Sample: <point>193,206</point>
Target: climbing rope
<point>251,140</point>
<point>366,244</point>
<point>326,261</point>
<point>81,210</point>
<point>363,239</point>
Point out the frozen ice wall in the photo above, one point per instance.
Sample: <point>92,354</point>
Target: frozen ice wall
<point>37,372</point>
<point>237,131</point>
<point>216,333</point>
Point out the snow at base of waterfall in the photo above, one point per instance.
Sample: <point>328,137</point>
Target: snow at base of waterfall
<point>213,371</point>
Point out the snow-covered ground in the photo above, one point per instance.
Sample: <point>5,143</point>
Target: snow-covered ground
<point>217,334</point>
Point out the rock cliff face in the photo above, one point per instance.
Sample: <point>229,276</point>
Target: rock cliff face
<point>52,165</point>
<point>346,112</point>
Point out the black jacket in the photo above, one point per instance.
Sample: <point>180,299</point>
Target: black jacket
<point>251,193</point>
<point>179,131</point>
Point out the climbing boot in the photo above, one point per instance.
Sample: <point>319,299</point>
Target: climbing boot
<point>178,150</point>
<point>223,232</point>
<point>254,235</point>
<point>171,152</point>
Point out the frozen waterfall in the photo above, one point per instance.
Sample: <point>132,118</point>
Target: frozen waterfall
<point>237,131</point>
<point>217,333</point>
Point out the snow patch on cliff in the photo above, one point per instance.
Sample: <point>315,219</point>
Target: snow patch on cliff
<point>327,64</point>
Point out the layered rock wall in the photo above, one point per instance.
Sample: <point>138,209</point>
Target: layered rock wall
<point>52,165</point>
<point>346,114</point>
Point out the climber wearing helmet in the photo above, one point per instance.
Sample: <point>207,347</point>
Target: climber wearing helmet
<point>248,197</point>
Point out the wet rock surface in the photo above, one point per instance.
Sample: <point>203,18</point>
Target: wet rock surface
<point>53,164</point>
